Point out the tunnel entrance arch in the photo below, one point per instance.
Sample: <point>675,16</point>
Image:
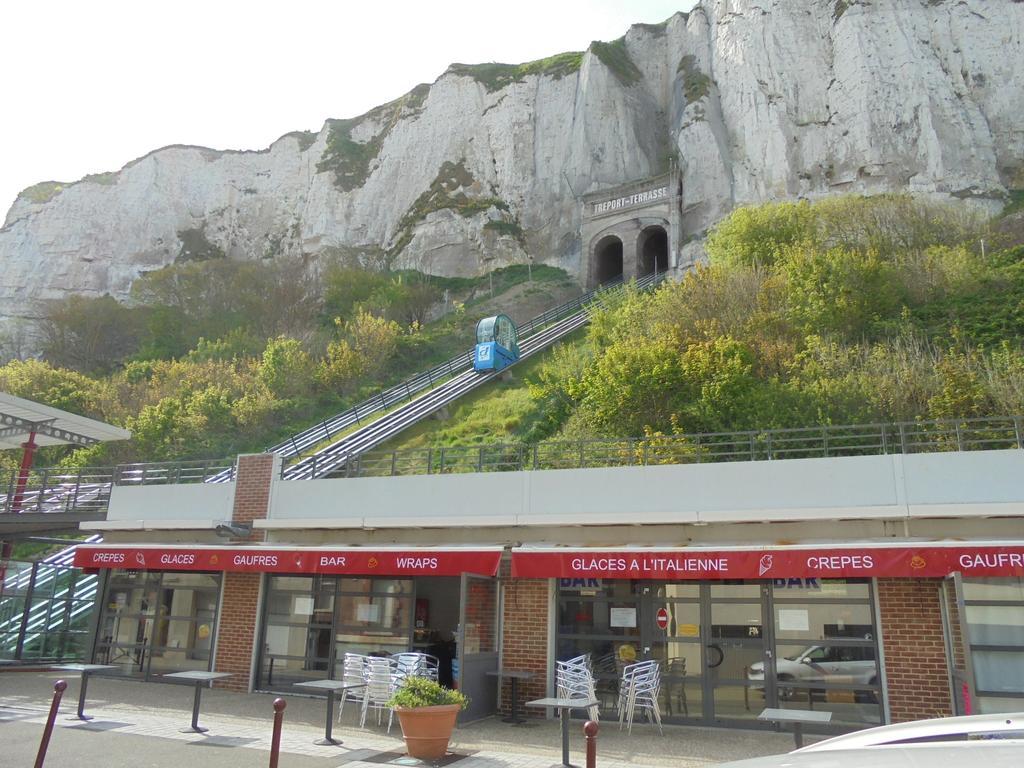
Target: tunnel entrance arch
<point>608,264</point>
<point>652,251</point>
<point>631,230</point>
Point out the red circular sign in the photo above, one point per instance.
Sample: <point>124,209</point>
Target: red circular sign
<point>662,618</point>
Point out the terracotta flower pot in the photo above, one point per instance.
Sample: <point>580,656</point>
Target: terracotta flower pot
<point>427,730</point>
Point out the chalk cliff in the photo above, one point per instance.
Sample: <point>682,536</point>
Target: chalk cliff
<point>753,99</point>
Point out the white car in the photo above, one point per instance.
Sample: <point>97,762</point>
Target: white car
<point>822,664</point>
<point>965,754</point>
<point>1007,728</point>
<point>975,741</point>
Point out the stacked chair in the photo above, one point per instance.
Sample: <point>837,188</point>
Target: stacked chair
<point>379,687</point>
<point>353,670</point>
<point>639,689</point>
<point>575,679</point>
<point>414,665</point>
<point>382,677</point>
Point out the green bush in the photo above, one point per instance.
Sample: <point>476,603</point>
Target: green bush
<point>422,692</point>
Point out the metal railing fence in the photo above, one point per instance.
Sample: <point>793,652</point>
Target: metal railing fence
<point>87,489</point>
<point>932,436</point>
<point>56,489</point>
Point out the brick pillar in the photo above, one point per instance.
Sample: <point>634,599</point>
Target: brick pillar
<point>915,652</point>
<point>237,631</point>
<point>239,620</point>
<point>253,481</point>
<point>525,640</point>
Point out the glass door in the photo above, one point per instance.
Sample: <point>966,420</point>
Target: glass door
<point>670,620</point>
<point>478,646</point>
<point>735,652</point>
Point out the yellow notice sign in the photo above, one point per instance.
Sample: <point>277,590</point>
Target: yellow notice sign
<point>689,630</point>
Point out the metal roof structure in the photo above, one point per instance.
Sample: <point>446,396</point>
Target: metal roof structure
<point>52,426</point>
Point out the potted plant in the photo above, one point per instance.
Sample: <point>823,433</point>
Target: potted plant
<point>427,712</point>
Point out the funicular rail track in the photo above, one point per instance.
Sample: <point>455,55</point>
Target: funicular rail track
<point>329,459</point>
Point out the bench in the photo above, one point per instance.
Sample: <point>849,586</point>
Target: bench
<point>797,717</point>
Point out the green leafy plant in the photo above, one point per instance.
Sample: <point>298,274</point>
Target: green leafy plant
<point>422,692</point>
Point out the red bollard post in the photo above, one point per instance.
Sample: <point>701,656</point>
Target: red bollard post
<point>58,691</point>
<point>590,733</point>
<point>275,741</point>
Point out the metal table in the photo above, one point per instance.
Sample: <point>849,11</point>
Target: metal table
<point>797,717</point>
<point>198,678</point>
<point>515,675</point>
<point>332,687</point>
<point>564,706</point>
<point>86,670</point>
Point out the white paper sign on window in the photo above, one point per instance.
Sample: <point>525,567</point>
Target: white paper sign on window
<point>622,617</point>
<point>368,612</point>
<point>302,606</point>
<point>793,620</point>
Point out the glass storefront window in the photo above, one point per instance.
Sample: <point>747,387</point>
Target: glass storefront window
<point>153,623</point>
<point>715,639</point>
<point>994,620</point>
<point>310,622</point>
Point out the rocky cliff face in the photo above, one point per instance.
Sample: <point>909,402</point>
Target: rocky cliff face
<point>754,99</point>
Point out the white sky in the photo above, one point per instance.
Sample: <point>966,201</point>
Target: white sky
<point>89,86</point>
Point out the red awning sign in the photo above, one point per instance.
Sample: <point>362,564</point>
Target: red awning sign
<point>364,562</point>
<point>770,564</point>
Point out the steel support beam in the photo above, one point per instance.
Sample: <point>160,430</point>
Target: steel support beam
<point>14,426</point>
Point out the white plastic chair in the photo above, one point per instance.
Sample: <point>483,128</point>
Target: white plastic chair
<point>379,682</point>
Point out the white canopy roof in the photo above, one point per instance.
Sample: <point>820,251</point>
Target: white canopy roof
<point>19,417</point>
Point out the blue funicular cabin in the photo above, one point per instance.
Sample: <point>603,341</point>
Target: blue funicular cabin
<point>497,343</point>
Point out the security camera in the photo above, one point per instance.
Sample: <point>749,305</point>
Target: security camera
<point>233,530</point>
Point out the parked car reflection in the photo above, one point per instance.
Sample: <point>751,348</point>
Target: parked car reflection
<point>853,665</point>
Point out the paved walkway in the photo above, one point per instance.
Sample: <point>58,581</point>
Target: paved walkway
<point>138,724</point>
